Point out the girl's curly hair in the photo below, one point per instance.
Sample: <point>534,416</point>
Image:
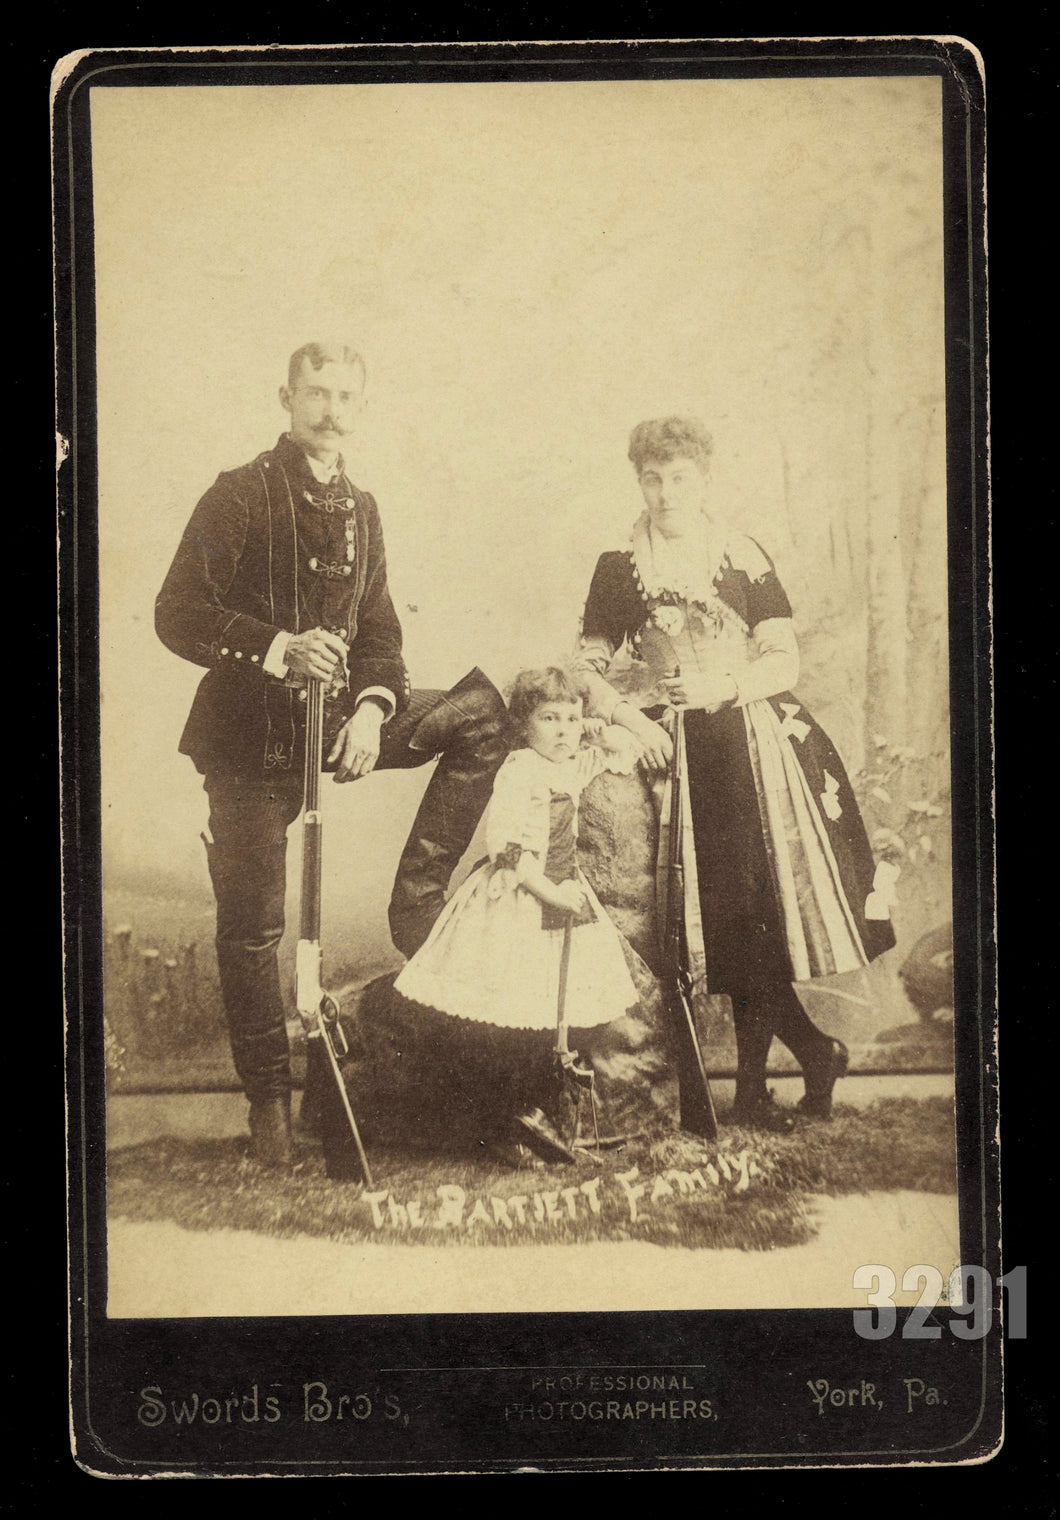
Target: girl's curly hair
<point>667,438</point>
<point>532,688</point>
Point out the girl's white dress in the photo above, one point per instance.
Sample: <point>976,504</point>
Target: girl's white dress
<point>488,957</point>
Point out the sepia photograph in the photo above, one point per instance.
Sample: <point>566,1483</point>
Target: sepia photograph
<point>522,514</point>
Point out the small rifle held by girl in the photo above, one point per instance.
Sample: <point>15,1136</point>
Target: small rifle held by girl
<point>317,1009</point>
<point>581,1078</point>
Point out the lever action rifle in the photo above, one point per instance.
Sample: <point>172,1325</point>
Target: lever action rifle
<point>317,1009</point>
<point>697,1104</point>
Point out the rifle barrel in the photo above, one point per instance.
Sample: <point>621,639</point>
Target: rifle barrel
<point>314,743</point>
<point>697,1103</point>
<point>309,927</point>
<point>344,1097</point>
<point>676,779</point>
<point>320,1037</point>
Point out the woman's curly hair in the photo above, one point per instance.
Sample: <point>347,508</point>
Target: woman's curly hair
<point>532,688</point>
<point>667,438</point>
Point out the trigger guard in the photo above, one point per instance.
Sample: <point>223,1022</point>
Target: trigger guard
<point>329,1012</point>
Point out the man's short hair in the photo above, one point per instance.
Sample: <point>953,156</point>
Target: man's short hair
<point>320,354</point>
<point>667,438</point>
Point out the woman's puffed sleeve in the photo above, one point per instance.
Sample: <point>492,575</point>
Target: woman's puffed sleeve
<point>509,817</point>
<point>607,607</point>
<point>775,668</point>
<point>766,597</point>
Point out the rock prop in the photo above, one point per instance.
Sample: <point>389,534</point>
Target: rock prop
<point>408,1071</point>
<point>635,1082</point>
<point>926,976</point>
<point>618,840</point>
<point>927,973</point>
<point>617,848</point>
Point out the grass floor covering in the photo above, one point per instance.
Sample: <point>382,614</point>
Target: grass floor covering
<point>746,1190</point>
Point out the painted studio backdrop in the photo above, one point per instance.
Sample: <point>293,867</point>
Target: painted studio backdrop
<point>529,270</point>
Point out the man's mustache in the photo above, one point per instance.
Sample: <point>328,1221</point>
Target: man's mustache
<point>329,426</point>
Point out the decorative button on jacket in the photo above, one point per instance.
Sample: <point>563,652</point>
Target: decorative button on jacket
<point>270,550</point>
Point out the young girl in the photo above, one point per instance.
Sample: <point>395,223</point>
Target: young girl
<point>492,962</point>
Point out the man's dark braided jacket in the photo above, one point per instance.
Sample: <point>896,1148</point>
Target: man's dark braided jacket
<point>271,550</point>
<point>268,550</point>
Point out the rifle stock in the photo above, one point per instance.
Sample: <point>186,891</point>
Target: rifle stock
<point>317,1009</point>
<point>697,1103</point>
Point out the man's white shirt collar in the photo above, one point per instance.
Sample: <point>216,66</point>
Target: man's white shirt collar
<point>326,473</point>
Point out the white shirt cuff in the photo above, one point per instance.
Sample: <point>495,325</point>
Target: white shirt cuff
<point>379,691</point>
<point>275,661</point>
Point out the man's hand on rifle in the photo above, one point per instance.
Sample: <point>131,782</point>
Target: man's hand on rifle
<point>356,747</point>
<point>316,655</point>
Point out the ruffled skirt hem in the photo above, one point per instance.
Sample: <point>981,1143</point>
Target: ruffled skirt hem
<point>488,960</point>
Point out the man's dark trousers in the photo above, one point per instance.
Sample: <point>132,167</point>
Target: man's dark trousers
<point>249,819</point>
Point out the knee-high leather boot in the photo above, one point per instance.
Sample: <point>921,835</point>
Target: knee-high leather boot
<point>467,727</point>
<point>249,886</point>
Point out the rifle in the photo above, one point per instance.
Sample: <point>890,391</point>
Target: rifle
<point>317,1009</point>
<point>697,1104</point>
<point>579,1078</point>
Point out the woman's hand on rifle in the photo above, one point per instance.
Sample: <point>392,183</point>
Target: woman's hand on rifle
<point>656,746</point>
<point>701,690</point>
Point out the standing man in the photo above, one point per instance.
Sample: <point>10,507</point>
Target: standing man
<point>280,578</point>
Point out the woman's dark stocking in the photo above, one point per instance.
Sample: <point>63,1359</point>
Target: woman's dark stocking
<point>767,1007</point>
<point>754,1035</point>
<point>793,1025</point>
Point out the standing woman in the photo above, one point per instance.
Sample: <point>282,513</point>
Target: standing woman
<point>779,875</point>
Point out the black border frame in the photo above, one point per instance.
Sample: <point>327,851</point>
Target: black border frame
<point>101,1348</point>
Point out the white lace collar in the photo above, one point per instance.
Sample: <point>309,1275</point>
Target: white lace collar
<point>686,570</point>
